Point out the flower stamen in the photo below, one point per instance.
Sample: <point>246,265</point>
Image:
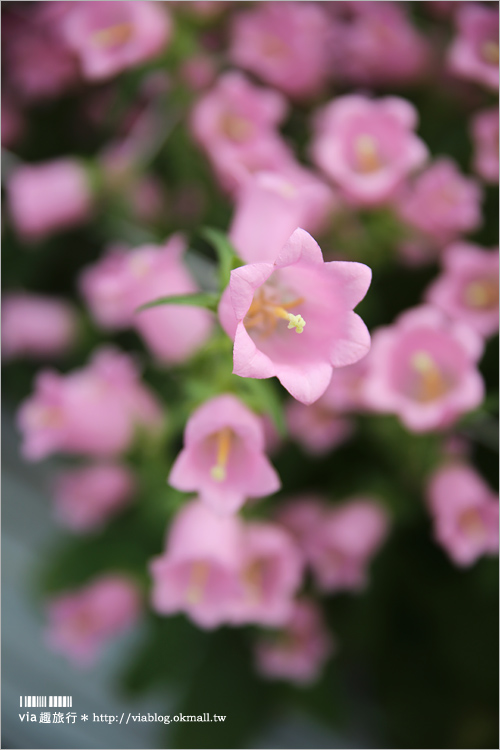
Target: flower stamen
<point>197,582</point>
<point>219,471</point>
<point>113,36</point>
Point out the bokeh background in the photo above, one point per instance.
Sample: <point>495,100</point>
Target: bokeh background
<point>416,663</point>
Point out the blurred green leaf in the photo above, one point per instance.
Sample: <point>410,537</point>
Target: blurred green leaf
<point>226,253</point>
<point>207,300</point>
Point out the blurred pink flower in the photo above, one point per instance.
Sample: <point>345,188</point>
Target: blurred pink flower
<point>337,541</point>
<point>299,651</point>
<point>474,53</point>
<point>236,125</point>
<point>378,45</point>
<point>315,298</point>
<point>484,129</point>
<point>442,203</point>
<point>343,544</point>
<point>271,573</point>
<point>109,37</point>
<point>47,197</point>
<point>285,44</point>
<point>93,411</point>
<point>346,390</point>
<point>367,146</point>
<point>36,326</point>
<point>81,622</point>
<point>38,65</point>
<point>465,512</point>
<point>467,290</point>
<point>223,457</point>
<point>119,283</point>
<point>423,368</point>
<point>317,428</point>
<point>271,205</point>
<point>199,571</point>
<point>86,497</point>
<point>199,71</point>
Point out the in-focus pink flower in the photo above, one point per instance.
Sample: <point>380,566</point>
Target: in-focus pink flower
<point>423,368</point>
<point>317,428</point>
<point>442,203</point>
<point>465,512</point>
<point>474,53</point>
<point>93,411</point>
<point>285,44</point>
<point>298,652</point>
<point>270,574</point>
<point>367,146</point>
<point>271,205</point>
<point>36,326</point>
<point>268,304</point>
<point>337,541</point>
<point>109,37</point>
<point>199,571</point>
<point>48,197</point>
<point>467,290</point>
<point>86,498</point>
<point>484,129</point>
<point>118,284</point>
<point>223,457</point>
<point>377,45</point>
<point>236,125</point>
<point>82,622</point>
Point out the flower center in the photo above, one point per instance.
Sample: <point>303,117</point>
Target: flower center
<point>113,36</point>
<point>219,470</point>
<point>266,310</point>
<point>367,154</point>
<point>50,417</point>
<point>489,52</point>
<point>253,580</point>
<point>431,384</point>
<point>197,581</point>
<point>482,294</point>
<point>472,524</point>
<point>273,46</point>
<point>236,128</point>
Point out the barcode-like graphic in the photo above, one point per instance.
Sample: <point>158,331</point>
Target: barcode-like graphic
<point>40,701</point>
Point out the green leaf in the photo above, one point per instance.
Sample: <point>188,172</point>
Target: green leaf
<point>226,253</point>
<point>207,300</point>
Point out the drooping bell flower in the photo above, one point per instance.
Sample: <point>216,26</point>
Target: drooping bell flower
<point>223,457</point>
<point>94,411</point>
<point>271,573</point>
<point>86,498</point>
<point>199,571</point>
<point>367,146</point>
<point>81,622</point>
<point>109,37</point>
<point>467,290</point>
<point>465,513</point>
<point>36,326</point>
<point>474,53</point>
<point>294,318</point>
<point>298,651</point>
<point>423,368</point>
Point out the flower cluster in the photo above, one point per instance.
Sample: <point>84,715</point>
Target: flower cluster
<point>253,411</point>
